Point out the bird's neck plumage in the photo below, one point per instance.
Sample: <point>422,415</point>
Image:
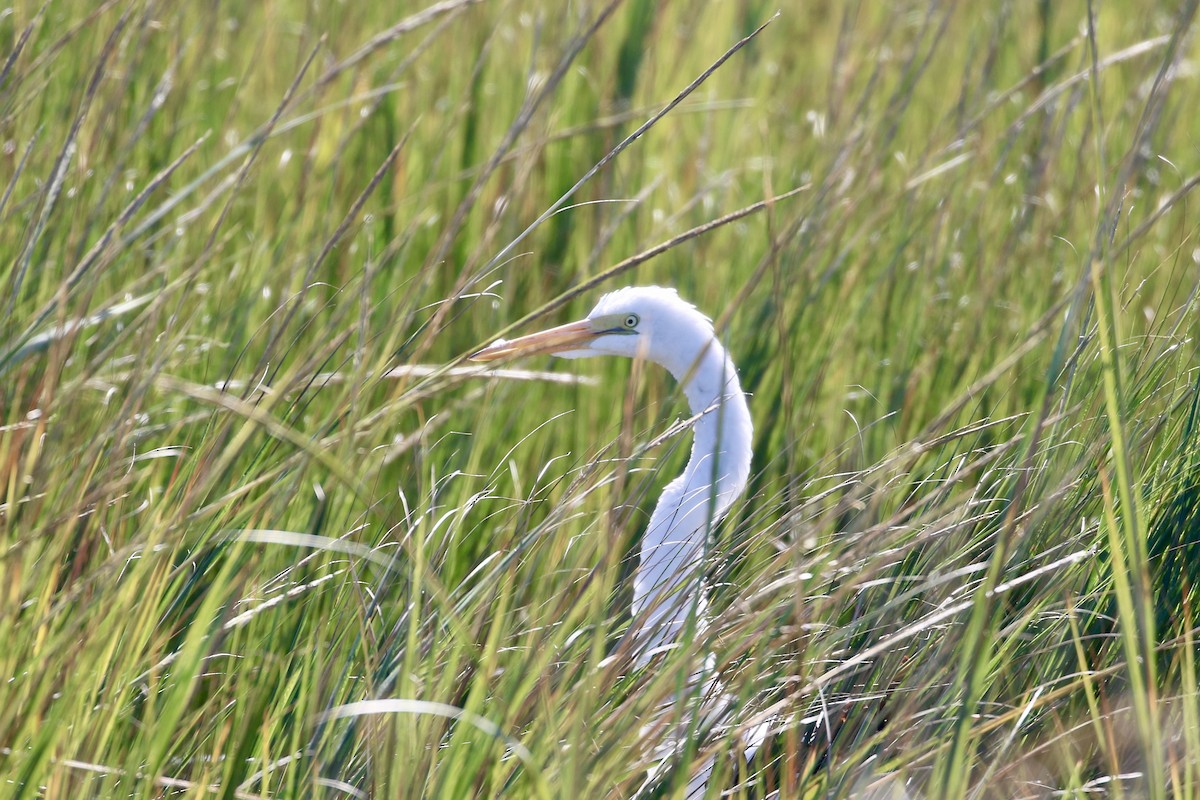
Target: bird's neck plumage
<point>668,584</point>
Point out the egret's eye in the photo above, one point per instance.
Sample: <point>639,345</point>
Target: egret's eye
<point>631,321</point>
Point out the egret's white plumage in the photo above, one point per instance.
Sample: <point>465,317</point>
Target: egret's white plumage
<point>654,323</point>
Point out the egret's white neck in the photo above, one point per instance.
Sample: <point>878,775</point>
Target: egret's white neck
<point>667,584</point>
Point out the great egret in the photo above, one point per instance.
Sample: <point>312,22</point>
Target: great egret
<point>654,323</point>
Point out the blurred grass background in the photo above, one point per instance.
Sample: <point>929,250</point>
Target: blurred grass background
<point>258,538</point>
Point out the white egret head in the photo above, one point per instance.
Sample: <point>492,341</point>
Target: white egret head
<point>648,322</point>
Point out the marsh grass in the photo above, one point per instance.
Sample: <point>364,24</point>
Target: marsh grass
<point>262,535</point>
